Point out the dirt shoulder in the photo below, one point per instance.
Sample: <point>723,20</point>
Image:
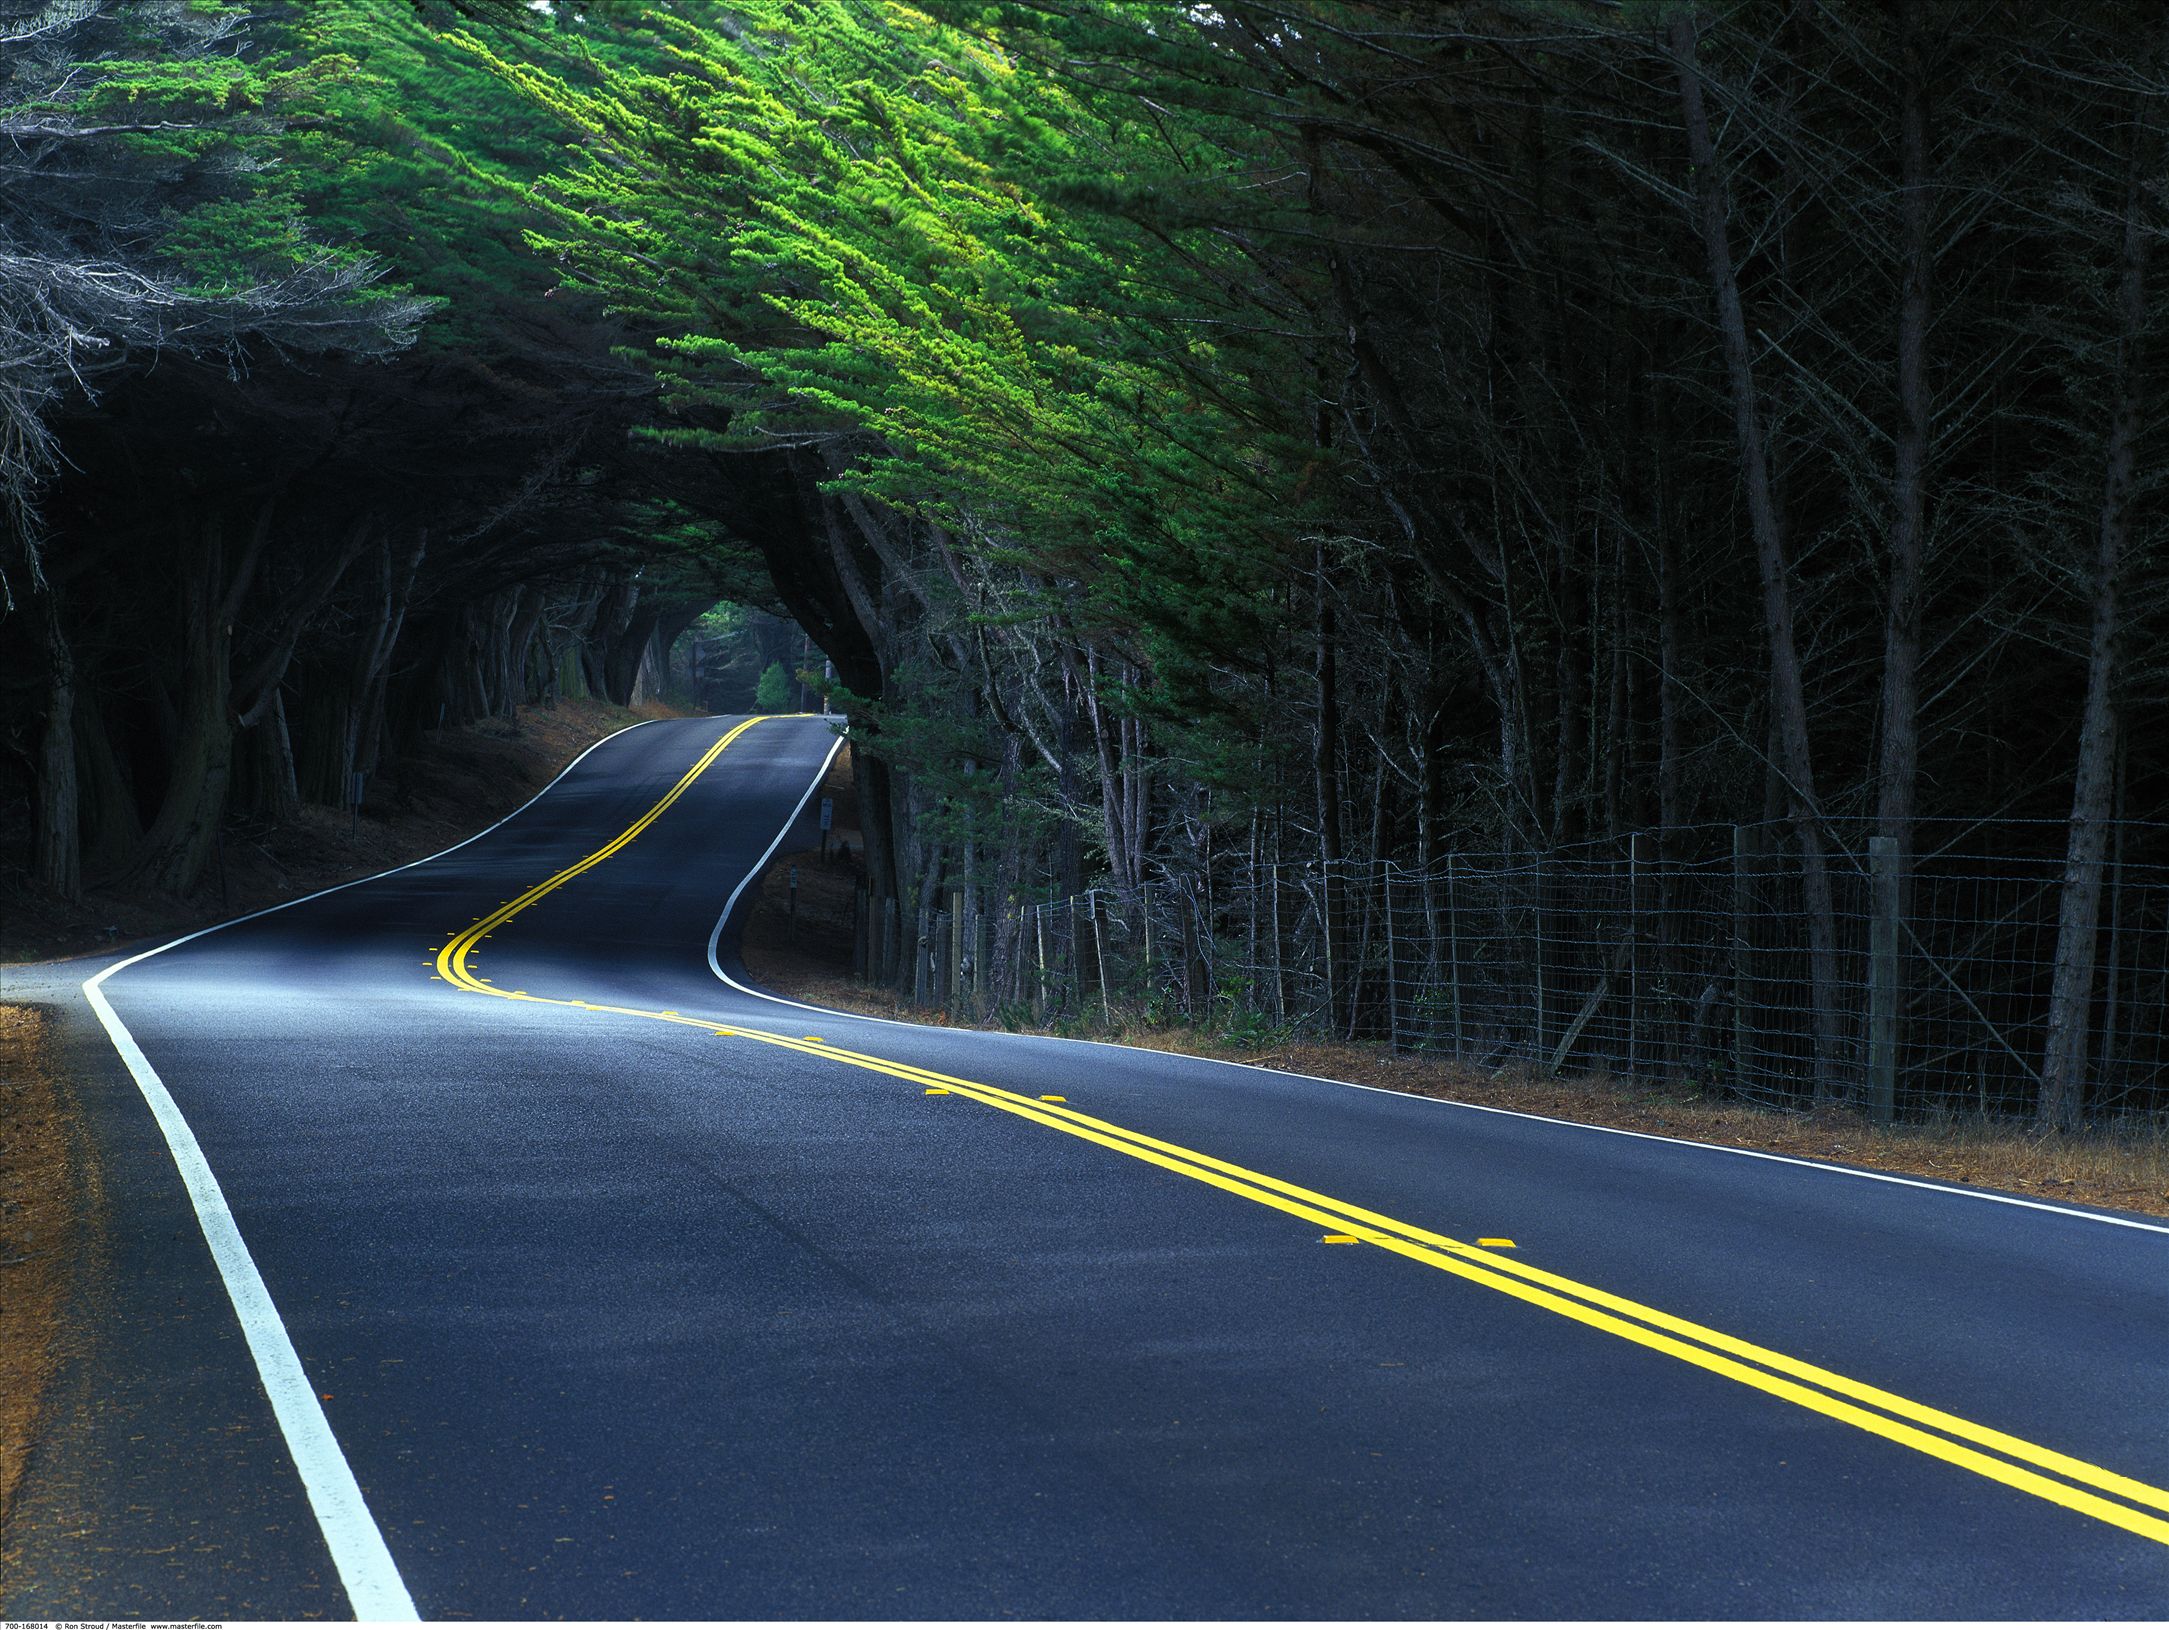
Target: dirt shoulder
<point>52,1205</point>
<point>453,783</point>
<point>2123,1170</point>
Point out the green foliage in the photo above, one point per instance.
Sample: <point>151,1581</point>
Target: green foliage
<point>774,694</point>
<point>853,223</point>
<point>1005,302</point>
<point>410,150</point>
<point>725,620</point>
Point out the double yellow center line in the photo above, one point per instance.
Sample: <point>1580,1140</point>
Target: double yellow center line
<point>2061,1479</point>
<point>452,958</point>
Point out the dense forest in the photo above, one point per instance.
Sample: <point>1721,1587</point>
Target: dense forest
<point>1200,443</point>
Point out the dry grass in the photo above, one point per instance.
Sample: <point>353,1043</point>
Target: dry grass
<point>453,783</point>
<point>50,1204</point>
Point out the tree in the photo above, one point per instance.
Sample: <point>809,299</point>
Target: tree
<point>126,126</point>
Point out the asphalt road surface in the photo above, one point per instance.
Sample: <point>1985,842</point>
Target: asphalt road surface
<point>604,1292</point>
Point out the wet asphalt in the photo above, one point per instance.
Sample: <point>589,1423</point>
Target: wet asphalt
<point>616,1318</point>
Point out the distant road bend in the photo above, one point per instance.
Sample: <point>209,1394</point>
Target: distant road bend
<point>491,1250</point>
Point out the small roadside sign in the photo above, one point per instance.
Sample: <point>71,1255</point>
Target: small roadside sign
<point>828,813</point>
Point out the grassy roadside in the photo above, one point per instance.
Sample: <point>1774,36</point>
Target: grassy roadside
<point>454,783</point>
<point>809,959</point>
<point>51,1206</point>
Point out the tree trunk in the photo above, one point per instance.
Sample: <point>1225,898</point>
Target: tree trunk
<point>2071,998</point>
<point>1788,697</point>
<point>1325,781</point>
<point>178,846</point>
<point>1571,682</point>
<point>112,826</point>
<point>59,836</point>
<point>264,775</point>
<point>1116,831</point>
<point>1899,771</point>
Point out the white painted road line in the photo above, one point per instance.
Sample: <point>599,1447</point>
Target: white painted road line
<point>373,1587</point>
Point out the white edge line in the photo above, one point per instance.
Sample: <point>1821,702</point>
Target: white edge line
<point>389,871</point>
<point>716,967</point>
<point>715,934</point>
<point>374,1588</point>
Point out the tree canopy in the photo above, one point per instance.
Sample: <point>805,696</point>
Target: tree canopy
<point>1194,435</point>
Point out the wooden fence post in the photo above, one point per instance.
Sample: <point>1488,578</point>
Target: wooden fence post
<point>1144,904</point>
<point>1453,949</point>
<point>1536,869</point>
<point>1883,890</point>
<point>1637,860</point>
<point>1740,982</point>
<point>1039,987</point>
<point>1193,962</point>
<point>953,986</point>
<point>1393,972</point>
<point>1099,952</point>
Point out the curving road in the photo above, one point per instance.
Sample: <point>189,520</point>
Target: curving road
<point>608,1289</point>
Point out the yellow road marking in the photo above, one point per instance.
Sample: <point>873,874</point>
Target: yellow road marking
<point>1338,1239</point>
<point>1902,1421</point>
<point>1497,1244</point>
<point>452,960</point>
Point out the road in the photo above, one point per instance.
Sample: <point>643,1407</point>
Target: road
<point>619,1291</point>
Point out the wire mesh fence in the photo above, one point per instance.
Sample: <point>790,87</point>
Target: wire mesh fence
<point>1686,955</point>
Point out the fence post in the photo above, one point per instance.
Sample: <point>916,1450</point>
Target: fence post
<point>1883,978</point>
<point>1193,962</point>
<point>1636,860</point>
<point>2112,1008</point>
<point>1144,904</point>
<point>1453,948</point>
<point>1099,953</point>
<point>1076,954</point>
<point>953,986</point>
<point>1739,958</point>
<point>1325,929</point>
<point>1039,988</point>
<point>984,929</point>
<point>1537,943</point>
<point>1393,973</point>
